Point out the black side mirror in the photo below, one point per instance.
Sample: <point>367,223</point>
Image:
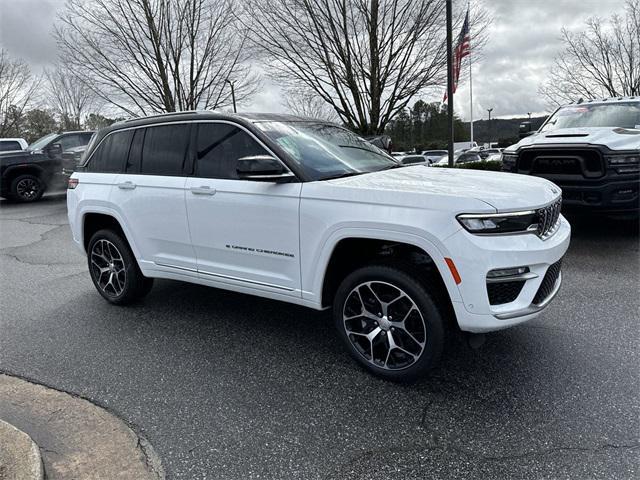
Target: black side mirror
<point>54,150</point>
<point>263,168</point>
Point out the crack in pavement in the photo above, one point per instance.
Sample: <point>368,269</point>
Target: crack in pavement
<point>17,258</point>
<point>551,451</point>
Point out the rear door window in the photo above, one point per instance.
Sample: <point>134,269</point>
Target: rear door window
<point>164,149</point>
<point>112,153</point>
<point>219,146</point>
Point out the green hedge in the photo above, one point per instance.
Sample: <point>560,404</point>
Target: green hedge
<point>494,165</point>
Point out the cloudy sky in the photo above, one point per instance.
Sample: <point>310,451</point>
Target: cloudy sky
<point>523,40</point>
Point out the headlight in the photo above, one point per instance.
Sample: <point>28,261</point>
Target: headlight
<point>509,157</point>
<point>615,160</point>
<point>496,223</point>
<point>509,162</point>
<point>625,163</point>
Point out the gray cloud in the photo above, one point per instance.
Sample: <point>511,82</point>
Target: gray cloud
<point>523,40</point>
<point>26,27</point>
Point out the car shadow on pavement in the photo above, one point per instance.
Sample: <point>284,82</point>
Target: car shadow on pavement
<point>601,227</point>
<point>527,388</point>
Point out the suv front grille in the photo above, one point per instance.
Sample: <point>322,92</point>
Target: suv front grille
<point>548,282</point>
<point>504,292</point>
<point>548,219</point>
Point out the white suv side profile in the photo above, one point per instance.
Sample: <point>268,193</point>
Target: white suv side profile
<point>309,213</point>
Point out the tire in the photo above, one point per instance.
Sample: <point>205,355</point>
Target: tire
<point>26,188</point>
<point>114,269</point>
<point>401,341</point>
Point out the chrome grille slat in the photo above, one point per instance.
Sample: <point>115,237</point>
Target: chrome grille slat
<point>548,218</point>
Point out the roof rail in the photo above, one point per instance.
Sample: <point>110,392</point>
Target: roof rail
<point>166,114</point>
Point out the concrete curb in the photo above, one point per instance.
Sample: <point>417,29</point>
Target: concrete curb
<point>19,455</point>
<point>76,438</point>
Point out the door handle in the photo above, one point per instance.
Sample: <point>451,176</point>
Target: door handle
<point>127,185</point>
<point>204,190</point>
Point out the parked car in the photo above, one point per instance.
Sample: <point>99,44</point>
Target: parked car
<point>309,213</point>
<point>71,158</point>
<point>25,175</point>
<point>12,144</point>
<point>458,158</point>
<point>434,155</point>
<point>591,150</point>
<point>487,152</point>
<point>414,159</point>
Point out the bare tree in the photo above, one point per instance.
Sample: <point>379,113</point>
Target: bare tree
<point>307,103</point>
<point>365,58</point>
<point>601,61</point>
<point>70,97</point>
<point>17,91</point>
<point>156,55</point>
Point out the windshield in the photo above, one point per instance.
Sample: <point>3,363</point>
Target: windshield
<point>625,115</point>
<point>42,142</point>
<point>326,151</point>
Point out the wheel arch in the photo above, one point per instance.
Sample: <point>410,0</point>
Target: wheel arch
<point>94,220</point>
<point>353,250</point>
<point>14,171</point>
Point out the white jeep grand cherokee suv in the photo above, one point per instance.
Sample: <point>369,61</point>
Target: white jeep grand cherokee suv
<point>307,212</point>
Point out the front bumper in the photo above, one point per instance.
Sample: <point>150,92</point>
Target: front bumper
<point>607,196</point>
<point>476,255</point>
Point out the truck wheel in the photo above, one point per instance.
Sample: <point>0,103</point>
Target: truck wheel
<point>389,322</point>
<point>114,270</point>
<point>27,188</point>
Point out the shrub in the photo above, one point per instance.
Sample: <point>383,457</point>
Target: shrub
<point>495,165</point>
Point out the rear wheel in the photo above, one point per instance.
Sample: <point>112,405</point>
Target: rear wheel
<point>114,270</point>
<point>389,322</point>
<point>27,188</point>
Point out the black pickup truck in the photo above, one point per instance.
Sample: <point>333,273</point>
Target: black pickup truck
<point>26,174</point>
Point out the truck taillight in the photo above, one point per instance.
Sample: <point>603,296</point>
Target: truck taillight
<point>73,183</point>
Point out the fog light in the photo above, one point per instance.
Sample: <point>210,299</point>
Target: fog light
<point>507,272</point>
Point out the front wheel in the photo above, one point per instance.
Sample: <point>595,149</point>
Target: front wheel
<point>114,270</point>
<point>389,322</point>
<point>27,188</point>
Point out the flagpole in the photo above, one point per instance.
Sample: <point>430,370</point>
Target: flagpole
<point>450,80</point>
<point>470,81</point>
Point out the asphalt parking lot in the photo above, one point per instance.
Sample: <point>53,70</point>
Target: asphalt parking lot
<point>234,387</point>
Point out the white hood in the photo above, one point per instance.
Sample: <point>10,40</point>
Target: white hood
<point>614,138</point>
<point>446,188</point>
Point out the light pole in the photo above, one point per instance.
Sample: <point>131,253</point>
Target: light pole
<point>233,94</point>
<point>489,110</point>
<point>529,113</point>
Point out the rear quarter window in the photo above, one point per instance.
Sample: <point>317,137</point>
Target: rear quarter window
<point>112,153</point>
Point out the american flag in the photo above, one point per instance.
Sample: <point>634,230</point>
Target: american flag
<point>463,49</point>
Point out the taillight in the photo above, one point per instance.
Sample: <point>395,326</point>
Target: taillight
<point>73,183</point>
